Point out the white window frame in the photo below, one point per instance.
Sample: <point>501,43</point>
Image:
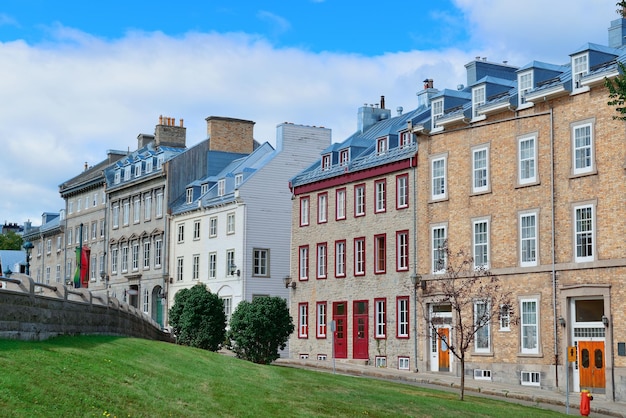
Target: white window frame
<point>159,205</point>
<point>195,267</point>
<point>321,323</point>
<point>238,180</point>
<point>304,210</point>
<point>212,265</point>
<point>340,258</point>
<point>525,82</point>
<point>382,145</point>
<point>147,207</point>
<point>212,226</point>
<point>196,229</point>
<point>340,204</point>
<point>135,255</point>
<point>402,317</point>
<point>402,250</point>
<point>479,97</point>
<point>380,318</point>
<point>146,254</point>
<point>402,191</point>
<point>439,177</point>
<point>527,160</point>
<point>303,265</point>
<point>322,208</point>
<point>480,170</point>
<point>180,264</point>
<point>439,258</point>
<point>221,187</point>
<point>529,321</point>
<point>584,229</point>
<point>504,318</point>
<point>359,200</point>
<point>381,195</point>
<point>406,139</point>
<point>580,68</point>
<point>344,157</point>
<point>436,110</point>
<point>136,209</point>
<point>326,162</point>
<point>481,242</point>
<point>528,238</point>
<point>126,213</point>
<point>322,260</point>
<point>261,262</point>
<point>230,263</point>
<point>158,252</point>
<point>481,313</point>
<point>359,256</point>
<point>303,320</point>
<point>230,223</point>
<point>181,233</point>
<point>189,195</point>
<point>583,154</point>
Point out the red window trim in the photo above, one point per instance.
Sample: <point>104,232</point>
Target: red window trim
<point>345,203</point>
<point>317,260</point>
<point>356,272</point>
<point>345,259</point>
<point>317,335</point>
<point>376,183</point>
<point>304,335</point>
<point>408,318</point>
<point>308,266</point>
<point>408,254</point>
<point>376,336</point>
<point>406,176</point>
<point>308,199</point>
<point>376,254</point>
<point>319,195</point>
<point>356,186</point>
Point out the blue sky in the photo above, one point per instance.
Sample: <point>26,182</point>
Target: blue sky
<point>83,77</point>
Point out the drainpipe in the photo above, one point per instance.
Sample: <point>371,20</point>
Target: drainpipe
<point>554,295</point>
<point>414,166</point>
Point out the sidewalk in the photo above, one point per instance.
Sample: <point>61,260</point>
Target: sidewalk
<point>542,398</point>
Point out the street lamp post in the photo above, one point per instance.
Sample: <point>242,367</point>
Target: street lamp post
<point>416,281</point>
<point>28,246</point>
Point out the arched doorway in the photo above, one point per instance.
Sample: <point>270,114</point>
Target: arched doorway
<point>158,304</point>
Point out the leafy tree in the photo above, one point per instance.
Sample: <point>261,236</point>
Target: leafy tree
<point>198,319</point>
<point>258,329</point>
<point>475,298</point>
<point>617,91</point>
<point>10,241</point>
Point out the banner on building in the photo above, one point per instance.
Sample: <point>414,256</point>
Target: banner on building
<point>81,277</point>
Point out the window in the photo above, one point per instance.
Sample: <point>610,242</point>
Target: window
<point>124,259</point>
<point>189,195</point>
<point>402,317</point>
<point>439,181</point>
<point>146,300</point>
<point>212,265</point>
<point>359,200</point>
<point>221,187</point>
<point>303,320</point>
<point>195,270</point>
<point>48,246</point>
<point>381,361</point>
<point>136,210</point>
<point>381,146</point>
<point>303,266</point>
<point>238,179</point>
<point>359,256</point>
<point>146,254</point>
<point>505,318</point>
<point>304,211</point>
<point>231,267</point>
<point>69,236</point>
<point>402,250</point>
<point>196,229</point>
<point>127,173</point>
<point>116,216</point>
<point>481,243</point>
<point>326,162</point>
<point>340,258</point>
<point>48,272</point>
<point>147,207</point>
<point>228,307</point>
<point>584,233</point>
<point>94,230</point>
<point>380,204</point>
<point>528,239</point>
<point>321,319</point>
<point>580,68</point>
<point>230,223</point>
<point>76,235</point>
<point>158,252</point>
<point>380,253</point>
<point>322,208</point>
<point>94,202</point>
<point>340,204</point>
<point>404,363</point>
<point>478,99</point>
<point>260,262</point>
<point>321,261</point>
<point>135,256</point>
<point>204,188</point>
<point>114,256</point>
<point>582,143</point>
<point>179,268</point>
<point>79,205</point>
<point>59,243</point>
<point>439,249</point>
<point>117,177</point>
<point>436,110</point>
<point>160,161</point>
<point>527,150</point>
<point>524,84</point>
<point>402,191</point>
<point>149,165</point>
<point>102,228</point>
<point>483,328</point>
<point>380,317</point>
<point>406,139</point>
<point>530,378</point>
<point>529,326</point>
<point>159,205</point>
<point>213,227</point>
<point>126,212</point>
<point>181,232</point>
<point>480,170</point>
<point>344,157</point>
<point>58,273</point>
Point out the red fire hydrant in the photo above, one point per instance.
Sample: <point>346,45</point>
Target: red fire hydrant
<point>585,402</point>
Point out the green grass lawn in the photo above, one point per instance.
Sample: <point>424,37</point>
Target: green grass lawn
<point>96,376</point>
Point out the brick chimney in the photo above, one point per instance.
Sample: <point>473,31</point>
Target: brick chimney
<point>230,135</point>
<point>166,133</point>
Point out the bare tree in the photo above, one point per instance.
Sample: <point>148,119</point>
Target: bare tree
<point>475,298</point>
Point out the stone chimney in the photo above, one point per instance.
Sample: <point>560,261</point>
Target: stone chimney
<point>230,135</point>
<point>166,133</point>
<point>423,97</point>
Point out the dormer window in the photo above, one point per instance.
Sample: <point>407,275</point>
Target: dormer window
<point>238,179</point>
<point>160,160</point>
<point>344,157</point>
<point>118,177</point>
<point>436,109</point>
<point>189,193</point>
<point>580,68</point>
<point>524,84</point>
<point>221,187</point>
<point>326,162</point>
<point>478,99</point>
<point>149,165</point>
<point>381,145</point>
<point>137,169</point>
<point>406,139</point>
<point>127,173</point>
<point>204,188</point>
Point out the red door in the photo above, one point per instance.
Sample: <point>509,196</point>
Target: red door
<point>340,312</point>
<point>359,330</point>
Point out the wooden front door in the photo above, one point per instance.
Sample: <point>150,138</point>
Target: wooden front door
<point>359,330</point>
<point>443,350</point>
<point>591,365</point>
<point>340,313</point>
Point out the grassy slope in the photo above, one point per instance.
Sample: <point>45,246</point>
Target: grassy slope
<point>125,377</point>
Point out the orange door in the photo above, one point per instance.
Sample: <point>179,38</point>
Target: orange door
<point>442,348</point>
<point>591,365</point>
